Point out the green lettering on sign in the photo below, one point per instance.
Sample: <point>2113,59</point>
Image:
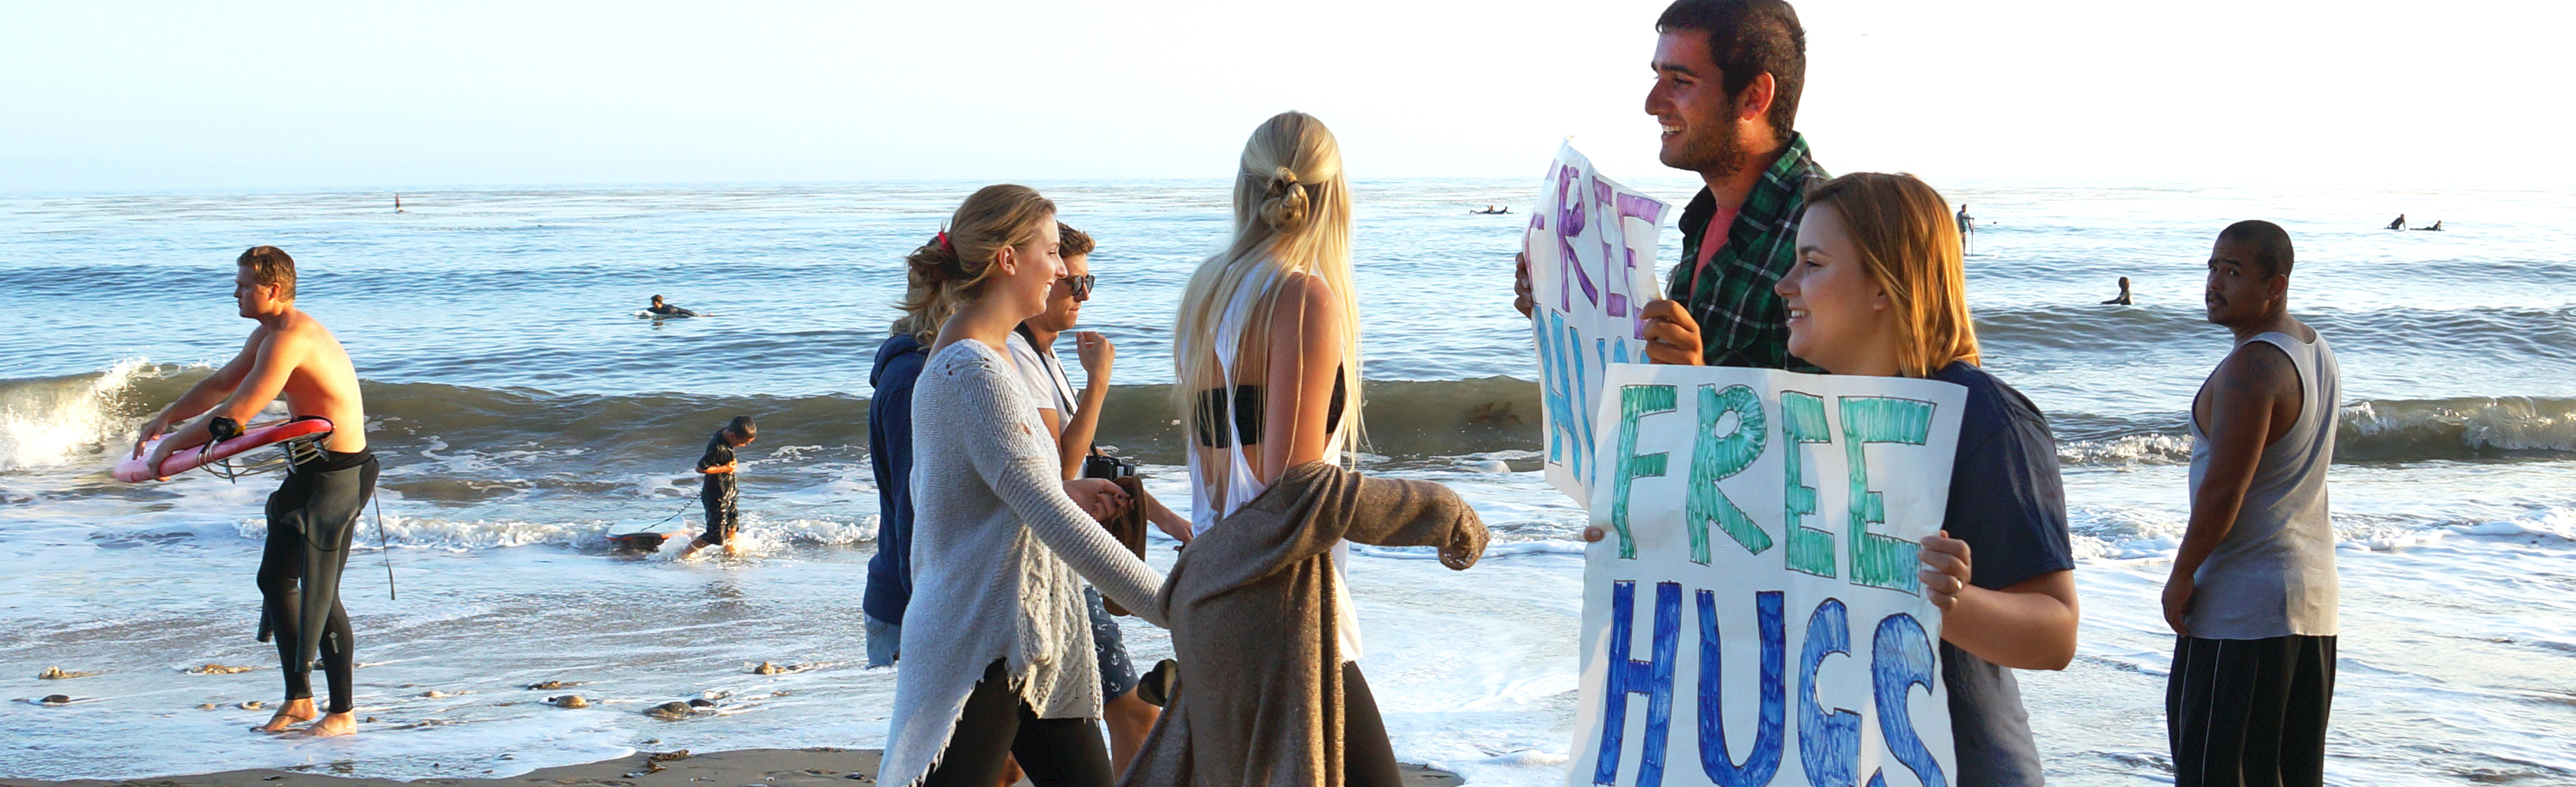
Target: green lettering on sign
<point>1802,420</point>
<point>1635,402</point>
<point>1715,458</point>
<point>1880,560</point>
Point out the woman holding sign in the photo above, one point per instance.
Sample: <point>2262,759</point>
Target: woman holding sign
<point>1878,289</point>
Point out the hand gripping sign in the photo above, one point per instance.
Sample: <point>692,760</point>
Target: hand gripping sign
<point>1591,247</point>
<point>1753,616</point>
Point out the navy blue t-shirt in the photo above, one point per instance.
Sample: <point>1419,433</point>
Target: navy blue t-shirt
<point>2006,501</point>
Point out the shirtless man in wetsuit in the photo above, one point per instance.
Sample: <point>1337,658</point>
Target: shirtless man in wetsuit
<point>313,514</point>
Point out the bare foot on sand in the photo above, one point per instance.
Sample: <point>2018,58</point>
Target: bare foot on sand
<point>288,714</point>
<point>333,724</point>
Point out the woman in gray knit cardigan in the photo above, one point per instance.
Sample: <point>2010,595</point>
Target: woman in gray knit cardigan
<point>996,643</point>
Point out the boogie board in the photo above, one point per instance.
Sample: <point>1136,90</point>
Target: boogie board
<point>636,542</point>
<point>259,435</point>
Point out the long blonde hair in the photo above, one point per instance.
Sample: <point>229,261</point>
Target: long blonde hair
<point>945,272</point>
<point>1292,215</point>
<point>1909,243</point>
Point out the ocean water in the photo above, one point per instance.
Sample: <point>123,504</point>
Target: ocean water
<point>523,412</point>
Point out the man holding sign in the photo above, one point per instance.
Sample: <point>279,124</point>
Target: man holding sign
<point>1727,78</point>
<point>1780,551</point>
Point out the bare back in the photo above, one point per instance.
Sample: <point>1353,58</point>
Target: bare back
<point>317,377</point>
<point>1276,409</point>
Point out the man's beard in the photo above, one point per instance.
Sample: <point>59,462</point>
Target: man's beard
<point>1719,155</point>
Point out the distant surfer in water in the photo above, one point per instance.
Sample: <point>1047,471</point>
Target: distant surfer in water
<point>718,492</point>
<point>2437,227</point>
<point>313,514</point>
<point>2123,300</point>
<point>660,309</point>
<point>2399,224</point>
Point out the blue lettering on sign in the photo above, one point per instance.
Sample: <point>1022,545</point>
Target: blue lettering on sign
<point>1568,391</point>
<point>1769,735</point>
<point>1901,658</point>
<point>1828,742</point>
<point>1653,678</point>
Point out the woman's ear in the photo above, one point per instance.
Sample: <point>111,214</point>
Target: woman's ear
<point>1009,260</point>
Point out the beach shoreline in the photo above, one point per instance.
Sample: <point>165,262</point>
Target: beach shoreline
<point>820,766</point>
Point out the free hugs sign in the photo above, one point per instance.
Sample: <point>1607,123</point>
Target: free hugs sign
<point>1753,616</point>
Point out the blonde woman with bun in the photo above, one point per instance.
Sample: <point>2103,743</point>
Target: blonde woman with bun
<point>1267,361</point>
<point>996,641</point>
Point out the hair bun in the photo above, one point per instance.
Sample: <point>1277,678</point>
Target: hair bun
<point>937,261</point>
<point>1285,207</point>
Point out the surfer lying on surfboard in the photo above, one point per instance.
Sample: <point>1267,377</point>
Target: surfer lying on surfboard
<point>664,310</point>
<point>315,511</point>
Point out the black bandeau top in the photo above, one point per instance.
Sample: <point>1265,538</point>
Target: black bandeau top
<point>1210,413</point>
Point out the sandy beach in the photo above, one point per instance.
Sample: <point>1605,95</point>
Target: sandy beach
<point>815,767</point>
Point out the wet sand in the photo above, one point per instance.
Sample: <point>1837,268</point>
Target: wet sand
<point>816,767</point>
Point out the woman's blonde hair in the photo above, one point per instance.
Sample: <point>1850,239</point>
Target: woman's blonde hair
<point>1292,216</point>
<point>945,272</point>
<point>1910,244</point>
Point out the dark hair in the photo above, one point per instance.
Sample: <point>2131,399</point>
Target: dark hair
<point>741,428</point>
<point>1749,37</point>
<point>270,265</point>
<point>657,299</point>
<point>1073,242</point>
<point>2271,244</point>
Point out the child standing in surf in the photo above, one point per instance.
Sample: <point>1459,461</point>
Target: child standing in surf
<point>718,492</point>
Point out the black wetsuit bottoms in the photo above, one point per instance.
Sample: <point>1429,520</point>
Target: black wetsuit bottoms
<point>722,515</point>
<point>2250,711</point>
<point>1054,752</point>
<point>311,519</point>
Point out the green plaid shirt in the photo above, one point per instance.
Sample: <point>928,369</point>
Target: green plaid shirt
<point>1741,321</point>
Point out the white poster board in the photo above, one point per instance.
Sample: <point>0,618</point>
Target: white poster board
<point>1753,616</point>
<point>1591,246</point>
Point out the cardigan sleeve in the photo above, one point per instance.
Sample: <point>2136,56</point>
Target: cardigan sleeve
<point>1021,468</point>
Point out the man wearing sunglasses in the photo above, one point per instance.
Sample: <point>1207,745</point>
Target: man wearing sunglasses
<point>1075,419</point>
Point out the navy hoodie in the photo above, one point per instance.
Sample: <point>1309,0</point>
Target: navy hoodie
<point>899,362</point>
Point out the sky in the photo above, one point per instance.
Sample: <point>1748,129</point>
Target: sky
<point>147,97</point>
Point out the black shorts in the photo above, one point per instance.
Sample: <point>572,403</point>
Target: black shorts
<point>2250,711</point>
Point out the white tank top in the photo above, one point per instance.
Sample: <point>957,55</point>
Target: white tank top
<point>2274,573</point>
<point>1223,478</point>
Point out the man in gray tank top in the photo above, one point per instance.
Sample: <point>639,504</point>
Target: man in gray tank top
<point>2253,589</point>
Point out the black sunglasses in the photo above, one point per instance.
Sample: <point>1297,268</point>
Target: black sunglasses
<point>1080,285</point>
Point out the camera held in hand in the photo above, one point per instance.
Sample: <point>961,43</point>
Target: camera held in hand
<point>1109,467</point>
